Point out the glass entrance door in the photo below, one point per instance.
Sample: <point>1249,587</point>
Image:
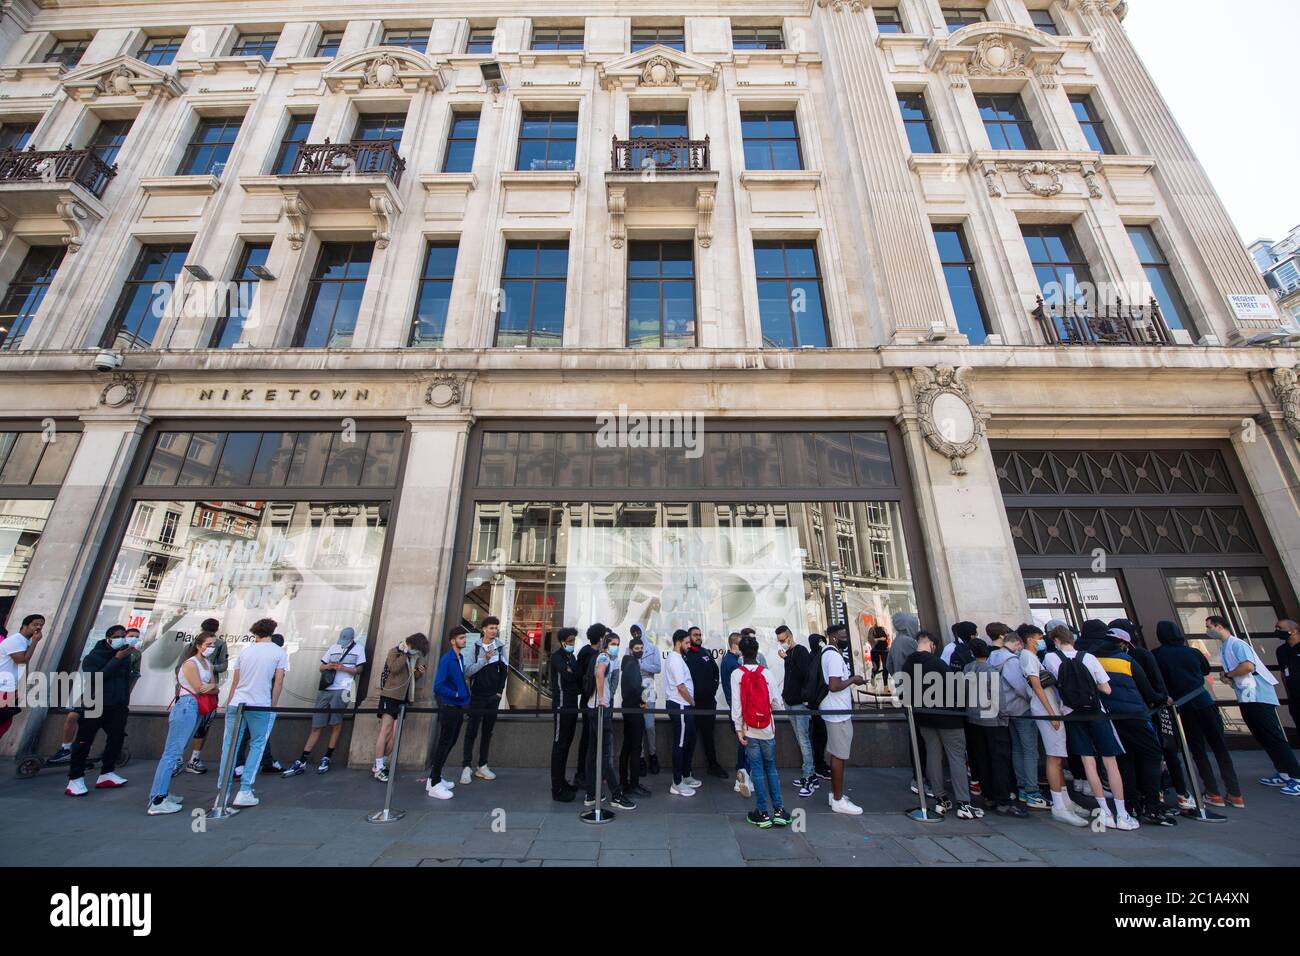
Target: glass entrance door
<point>1076,596</point>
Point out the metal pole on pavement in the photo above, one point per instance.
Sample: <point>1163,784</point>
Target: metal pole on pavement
<point>388,814</point>
<point>922,813</point>
<point>221,808</point>
<point>596,814</point>
<point>1200,813</point>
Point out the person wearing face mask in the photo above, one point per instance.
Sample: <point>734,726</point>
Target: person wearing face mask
<point>650,665</point>
<point>110,658</point>
<point>16,650</point>
<point>797,664</point>
<point>565,687</point>
<point>220,660</point>
<point>837,680</point>
<point>403,666</point>
<point>629,756</point>
<point>730,661</point>
<point>604,672</point>
<point>196,690</point>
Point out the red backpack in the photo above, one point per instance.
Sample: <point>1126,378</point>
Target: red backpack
<point>755,701</point>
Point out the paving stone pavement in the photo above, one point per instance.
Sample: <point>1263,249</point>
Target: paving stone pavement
<point>512,821</point>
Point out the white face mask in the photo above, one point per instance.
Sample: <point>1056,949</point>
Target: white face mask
<point>209,651</point>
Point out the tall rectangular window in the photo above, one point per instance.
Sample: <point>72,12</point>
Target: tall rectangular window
<point>210,145</point>
<point>1090,121</point>
<point>379,127</point>
<point>557,38</point>
<point>1062,270</point>
<point>658,124</point>
<point>238,301</point>
<point>1006,121</point>
<point>106,142</point>
<point>791,306</point>
<point>771,140</point>
<point>480,39</point>
<point>958,17</point>
<point>295,135</point>
<point>660,295</point>
<point>673,37</point>
<point>329,318</point>
<point>416,39</point>
<point>430,323</point>
<point>26,292</point>
<point>888,19</point>
<point>461,139</point>
<point>145,297</point>
<point>963,282</point>
<point>256,44</point>
<point>547,140</point>
<point>533,284</point>
<point>67,52</point>
<point>757,38</point>
<point>1164,287</point>
<point>329,43</point>
<point>16,135</point>
<point>160,50</point>
<point>1045,22</point>
<point>917,122</point>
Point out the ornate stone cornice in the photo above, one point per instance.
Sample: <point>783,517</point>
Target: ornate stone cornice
<point>383,68</point>
<point>999,51</point>
<point>950,421</point>
<point>657,67</point>
<point>1286,389</point>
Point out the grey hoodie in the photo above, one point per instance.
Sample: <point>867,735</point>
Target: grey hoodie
<point>903,645</point>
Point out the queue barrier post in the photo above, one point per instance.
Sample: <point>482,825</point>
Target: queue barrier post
<point>388,814</point>
<point>222,808</point>
<point>597,814</point>
<point>1200,814</point>
<point>922,813</point>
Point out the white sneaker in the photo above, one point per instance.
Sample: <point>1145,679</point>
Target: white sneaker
<point>1081,786</point>
<point>165,806</point>
<point>844,805</point>
<point>1108,819</point>
<point>441,791</point>
<point>742,786</point>
<point>485,772</point>
<point>76,788</point>
<point>239,771</point>
<point>106,780</point>
<point>692,782</point>
<point>681,790</point>
<point>245,798</point>
<point>172,798</point>
<point>466,775</point>
<point>1125,822</point>
<point>1063,815</point>
<point>1186,802</point>
<point>1077,810</point>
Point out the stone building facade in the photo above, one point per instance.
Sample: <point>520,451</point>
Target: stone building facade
<point>315,311</point>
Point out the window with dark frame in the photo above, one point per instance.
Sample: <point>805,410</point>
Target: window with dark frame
<point>1090,121</point>
<point>548,140</point>
<point>917,122</point>
<point>256,44</point>
<point>414,38</point>
<point>1006,121</point>
<point>160,50</point>
<point>16,135</point>
<point>67,52</point>
<point>238,300</point>
<point>480,39</point>
<point>430,323</point>
<point>145,297</point>
<point>1160,274</point>
<point>557,38</point>
<point>673,37</point>
<point>771,140</point>
<point>888,19</point>
<point>791,304</point>
<point>661,294</point>
<point>1045,22</point>
<point>462,138</point>
<point>210,145</point>
<point>770,37</point>
<point>379,127</point>
<point>329,43</point>
<point>26,291</point>
<point>963,282</point>
<point>338,283</point>
<point>106,142</point>
<point>534,281</point>
<point>1059,262</point>
<point>295,135</point>
<point>658,124</point>
<point>958,17</point>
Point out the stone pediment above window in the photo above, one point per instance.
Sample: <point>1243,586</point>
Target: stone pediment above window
<point>658,67</point>
<point>996,51</point>
<point>383,68</point>
<point>122,76</point>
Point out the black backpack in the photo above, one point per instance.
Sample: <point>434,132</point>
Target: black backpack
<point>1075,684</point>
<point>589,676</point>
<point>815,687</point>
<point>961,656</point>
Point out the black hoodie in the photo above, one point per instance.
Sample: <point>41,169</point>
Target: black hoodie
<point>102,659</point>
<point>1184,668</point>
<point>565,685</point>
<point>630,681</point>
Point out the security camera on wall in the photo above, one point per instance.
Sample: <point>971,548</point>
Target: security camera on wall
<point>107,360</point>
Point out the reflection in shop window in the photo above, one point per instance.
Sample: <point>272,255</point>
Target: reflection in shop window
<point>21,524</point>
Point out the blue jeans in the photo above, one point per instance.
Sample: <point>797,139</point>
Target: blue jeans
<point>800,724</point>
<point>1024,755</point>
<point>259,729</point>
<point>761,755</point>
<point>181,724</point>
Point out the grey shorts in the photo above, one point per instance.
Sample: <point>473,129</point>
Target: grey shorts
<point>331,700</point>
<point>839,738</point>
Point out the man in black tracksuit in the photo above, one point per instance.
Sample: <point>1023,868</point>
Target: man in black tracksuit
<point>565,690</point>
<point>586,659</point>
<point>111,658</point>
<point>705,677</point>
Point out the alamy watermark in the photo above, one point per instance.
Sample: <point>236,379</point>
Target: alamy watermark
<point>624,429</point>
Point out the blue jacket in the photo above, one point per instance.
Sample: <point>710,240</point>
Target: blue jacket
<point>449,681</point>
<point>1130,691</point>
<point>730,662</point>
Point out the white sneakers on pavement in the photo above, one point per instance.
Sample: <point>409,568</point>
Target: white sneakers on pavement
<point>484,773</point>
<point>245,798</point>
<point>441,791</point>
<point>844,805</point>
<point>466,775</point>
<point>681,790</point>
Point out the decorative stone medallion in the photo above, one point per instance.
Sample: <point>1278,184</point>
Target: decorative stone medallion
<point>444,392</point>
<point>950,421</point>
<point>122,390</point>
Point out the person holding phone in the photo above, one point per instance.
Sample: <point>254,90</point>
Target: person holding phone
<point>486,675</point>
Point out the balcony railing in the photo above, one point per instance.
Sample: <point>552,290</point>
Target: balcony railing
<point>660,154</point>
<point>1112,323</point>
<point>356,158</point>
<point>80,166</point>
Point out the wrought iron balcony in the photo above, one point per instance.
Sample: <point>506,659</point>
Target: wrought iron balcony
<point>674,154</point>
<point>79,166</point>
<point>358,158</point>
<point>1111,323</point>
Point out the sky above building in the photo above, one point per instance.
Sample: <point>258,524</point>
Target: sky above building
<point>1228,71</point>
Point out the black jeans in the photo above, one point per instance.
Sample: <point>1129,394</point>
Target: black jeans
<point>245,741</point>
<point>990,755</point>
<point>629,755</point>
<point>449,721</point>
<point>482,715</point>
<point>817,733</point>
<point>704,734</point>
<point>606,756</point>
<point>584,738</point>
<point>1139,765</point>
<point>1204,726</point>
<point>565,725</point>
<point>113,722</point>
<point>1267,729</point>
<point>683,730</point>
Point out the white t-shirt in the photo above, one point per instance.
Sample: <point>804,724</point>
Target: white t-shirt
<point>11,672</point>
<point>355,658</point>
<point>1099,675</point>
<point>256,666</point>
<point>834,665</point>
<point>1031,666</point>
<point>676,672</point>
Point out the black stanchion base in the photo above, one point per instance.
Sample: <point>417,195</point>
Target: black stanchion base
<point>1208,817</point>
<point>596,815</point>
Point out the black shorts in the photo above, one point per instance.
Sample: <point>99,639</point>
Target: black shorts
<point>389,706</point>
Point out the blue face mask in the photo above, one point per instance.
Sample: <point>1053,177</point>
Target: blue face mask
<point>117,643</point>
<point>568,648</point>
<point>612,650</point>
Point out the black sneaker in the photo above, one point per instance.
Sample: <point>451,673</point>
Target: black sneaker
<point>622,802</point>
<point>654,763</point>
<point>967,812</point>
<point>760,820</point>
<point>1011,810</point>
<point>562,796</point>
<point>62,756</point>
<point>824,774</point>
<point>1158,820</point>
<point>196,766</point>
<point>943,807</point>
<point>780,817</point>
<point>381,774</point>
<point>639,791</point>
<point>295,768</point>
